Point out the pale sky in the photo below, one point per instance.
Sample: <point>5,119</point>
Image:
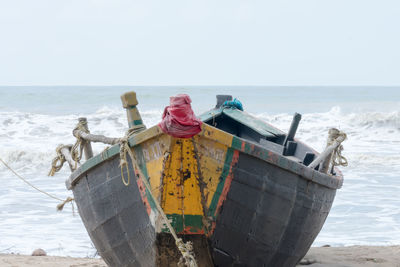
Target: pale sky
<point>204,42</point>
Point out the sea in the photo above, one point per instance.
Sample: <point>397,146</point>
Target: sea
<point>35,119</point>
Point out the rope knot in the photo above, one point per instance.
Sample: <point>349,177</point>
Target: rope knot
<point>337,136</point>
<point>77,148</point>
<point>62,204</point>
<point>58,161</point>
<point>187,259</point>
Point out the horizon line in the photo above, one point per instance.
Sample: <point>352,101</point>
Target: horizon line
<point>203,85</point>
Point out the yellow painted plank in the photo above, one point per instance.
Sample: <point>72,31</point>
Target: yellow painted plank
<point>154,153</point>
<point>172,188</point>
<point>190,162</point>
<point>211,156</point>
<point>190,175</point>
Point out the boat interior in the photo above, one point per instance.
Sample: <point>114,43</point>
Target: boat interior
<point>243,125</point>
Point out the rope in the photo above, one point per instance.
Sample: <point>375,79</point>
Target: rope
<point>186,249</point>
<point>59,206</point>
<point>76,153</point>
<point>123,162</point>
<point>58,161</point>
<point>337,159</point>
<point>233,104</point>
<point>187,258</point>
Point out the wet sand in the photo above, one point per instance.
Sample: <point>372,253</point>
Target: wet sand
<point>355,256</point>
<point>14,260</point>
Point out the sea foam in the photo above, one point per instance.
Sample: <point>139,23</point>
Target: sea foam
<point>365,210</point>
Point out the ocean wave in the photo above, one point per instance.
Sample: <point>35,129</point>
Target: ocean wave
<point>376,159</point>
<point>365,120</point>
<point>31,137</point>
<point>364,128</point>
<point>28,142</point>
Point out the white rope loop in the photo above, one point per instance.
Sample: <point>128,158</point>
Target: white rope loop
<point>124,147</point>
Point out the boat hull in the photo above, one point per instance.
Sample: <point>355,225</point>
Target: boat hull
<point>267,209</point>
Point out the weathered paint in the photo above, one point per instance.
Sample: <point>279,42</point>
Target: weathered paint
<point>333,182</point>
<point>188,180</point>
<point>188,176</point>
<point>254,206</point>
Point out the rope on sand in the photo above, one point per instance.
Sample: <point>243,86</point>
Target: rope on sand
<point>59,206</point>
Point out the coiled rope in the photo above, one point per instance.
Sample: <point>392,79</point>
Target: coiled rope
<point>58,161</point>
<point>337,158</point>
<point>59,206</point>
<point>77,148</point>
<point>186,249</point>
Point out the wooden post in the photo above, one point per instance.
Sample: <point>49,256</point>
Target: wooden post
<point>221,100</point>
<point>87,147</point>
<point>293,128</point>
<point>129,102</point>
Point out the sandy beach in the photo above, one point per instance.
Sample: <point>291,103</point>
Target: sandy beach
<point>355,256</point>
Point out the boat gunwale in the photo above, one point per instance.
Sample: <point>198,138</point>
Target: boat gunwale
<point>242,145</point>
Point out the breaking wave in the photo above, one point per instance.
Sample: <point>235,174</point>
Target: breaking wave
<point>28,142</point>
<point>30,139</point>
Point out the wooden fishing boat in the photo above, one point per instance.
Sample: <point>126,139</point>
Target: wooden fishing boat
<point>240,190</point>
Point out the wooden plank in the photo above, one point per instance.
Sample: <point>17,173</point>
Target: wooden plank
<point>252,122</point>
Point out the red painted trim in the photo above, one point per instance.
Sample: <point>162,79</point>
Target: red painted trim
<point>228,182</point>
<point>142,190</point>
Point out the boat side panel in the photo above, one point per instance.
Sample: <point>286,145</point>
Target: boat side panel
<point>115,216</point>
<point>272,214</point>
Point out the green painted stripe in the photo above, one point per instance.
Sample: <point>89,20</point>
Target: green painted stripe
<point>222,179</point>
<point>143,168</point>
<point>247,148</point>
<point>135,123</point>
<point>237,143</point>
<point>195,222</point>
